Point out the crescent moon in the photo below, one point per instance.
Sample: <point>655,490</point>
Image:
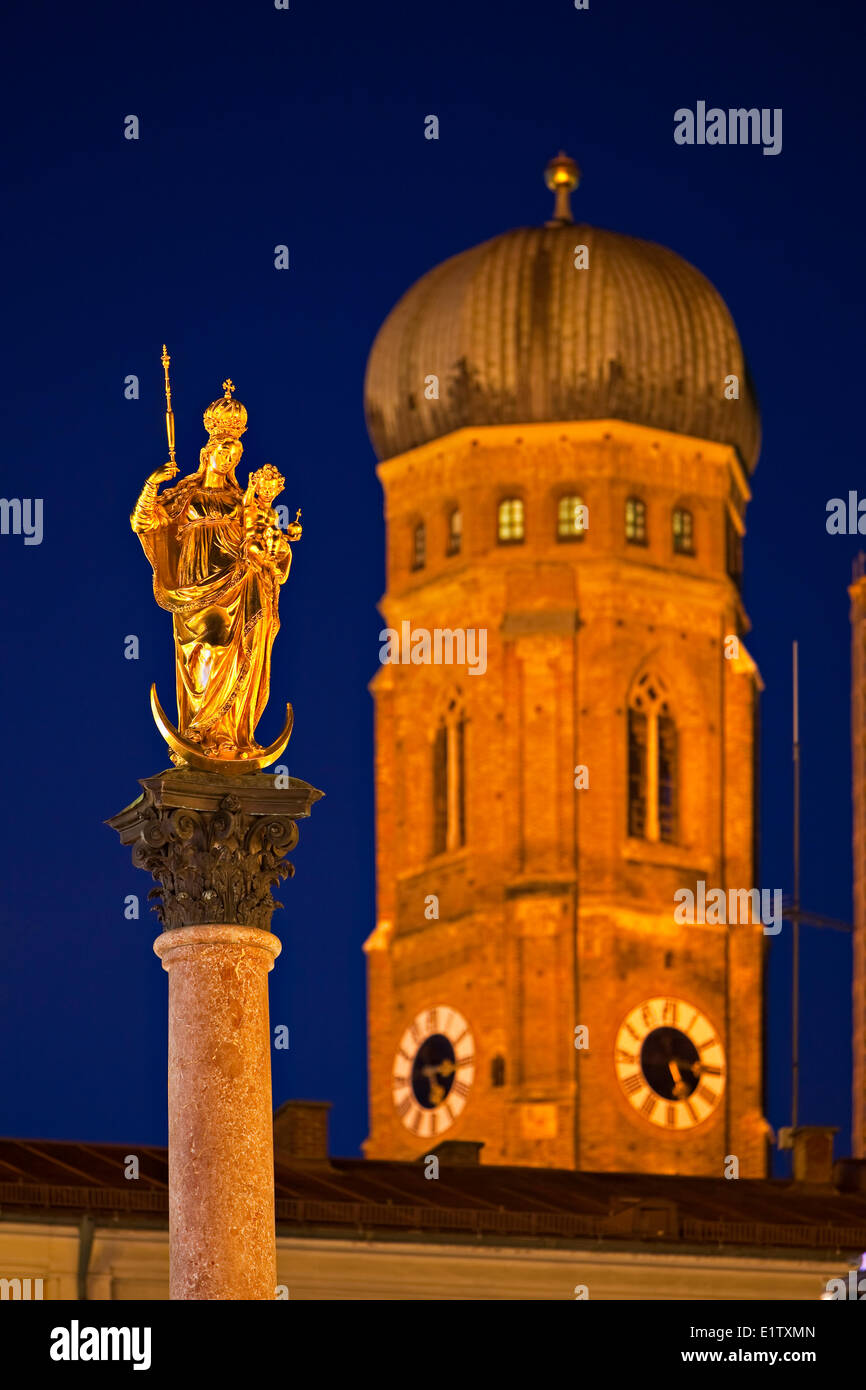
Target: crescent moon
<point>194,757</point>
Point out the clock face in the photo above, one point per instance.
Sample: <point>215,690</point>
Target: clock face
<point>670,1063</point>
<point>434,1068</point>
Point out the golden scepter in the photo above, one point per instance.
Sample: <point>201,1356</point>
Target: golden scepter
<point>169,413</point>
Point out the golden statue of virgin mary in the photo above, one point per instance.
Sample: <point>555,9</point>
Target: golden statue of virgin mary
<point>218,558</point>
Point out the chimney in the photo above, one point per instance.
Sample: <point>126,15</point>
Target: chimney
<point>459,1153</point>
<point>301,1131</point>
<point>849,1174</point>
<point>643,1216</point>
<point>812,1147</point>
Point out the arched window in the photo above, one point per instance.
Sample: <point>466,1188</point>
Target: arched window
<point>440,790</point>
<point>572,518</point>
<point>419,546</point>
<point>449,781</point>
<point>455,531</point>
<point>510,521</point>
<point>683,533</point>
<point>497,1071</point>
<point>635,521</point>
<point>652,762</point>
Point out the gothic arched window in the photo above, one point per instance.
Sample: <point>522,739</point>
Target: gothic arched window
<point>449,781</point>
<point>652,762</point>
<point>571,518</point>
<point>510,520</point>
<point>419,546</point>
<point>683,533</point>
<point>497,1071</point>
<point>440,790</point>
<point>635,521</point>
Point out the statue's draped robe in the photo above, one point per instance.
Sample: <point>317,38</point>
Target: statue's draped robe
<point>224,609</point>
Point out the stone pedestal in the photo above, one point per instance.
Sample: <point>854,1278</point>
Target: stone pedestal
<point>215,845</point>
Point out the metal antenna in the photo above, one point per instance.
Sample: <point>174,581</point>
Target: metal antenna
<point>795,968</point>
<point>792,912</point>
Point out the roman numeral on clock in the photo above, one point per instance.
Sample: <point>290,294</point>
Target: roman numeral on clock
<point>633,1083</point>
<point>649,1105</point>
<point>460,1088</point>
<point>403,1107</point>
<point>621,1056</point>
<point>671,1117</point>
<point>704,1093</point>
<point>466,1061</point>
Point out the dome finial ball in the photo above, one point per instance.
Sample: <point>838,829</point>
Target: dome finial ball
<point>561,176</point>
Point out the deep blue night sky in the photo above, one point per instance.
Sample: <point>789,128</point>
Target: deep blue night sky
<point>306,127</point>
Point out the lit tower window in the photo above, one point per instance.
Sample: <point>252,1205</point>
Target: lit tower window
<point>510,523</point>
<point>455,531</point>
<point>570,518</point>
<point>635,521</point>
<point>683,533</point>
<point>652,762</point>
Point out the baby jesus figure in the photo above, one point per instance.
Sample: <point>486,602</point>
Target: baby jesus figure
<point>264,542</point>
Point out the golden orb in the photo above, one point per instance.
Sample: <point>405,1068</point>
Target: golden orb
<point>562,172</point>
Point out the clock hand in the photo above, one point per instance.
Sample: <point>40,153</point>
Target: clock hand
<point>680,1088</point>
<point>432,1072</point>
<point>696,1068</point>
<point>438,1069</point>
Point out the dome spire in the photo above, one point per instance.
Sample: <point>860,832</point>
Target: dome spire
<point>561,176</point>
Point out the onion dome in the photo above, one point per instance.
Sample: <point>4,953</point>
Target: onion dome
<point>515,333</point>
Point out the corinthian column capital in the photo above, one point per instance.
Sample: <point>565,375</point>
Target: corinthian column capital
<point>215,845</point>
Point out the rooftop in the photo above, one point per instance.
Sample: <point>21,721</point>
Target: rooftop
<point>56,1180</point>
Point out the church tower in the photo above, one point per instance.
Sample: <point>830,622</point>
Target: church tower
<point>565,712</point>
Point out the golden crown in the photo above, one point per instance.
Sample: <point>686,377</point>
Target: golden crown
<point>267,474</point>
<point>226,417</point>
